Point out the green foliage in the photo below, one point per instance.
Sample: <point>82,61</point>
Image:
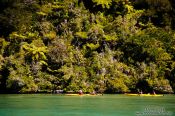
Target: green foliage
<point>112,46</point>
<point>104,3</point>
<point>34,52</point>
<point>3,45</point>
<point>82,35</point>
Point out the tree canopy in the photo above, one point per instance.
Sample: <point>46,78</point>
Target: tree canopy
<point>112,46</point>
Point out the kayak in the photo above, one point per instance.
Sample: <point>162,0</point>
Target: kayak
<point>83,94</point>
<point>148,95</point>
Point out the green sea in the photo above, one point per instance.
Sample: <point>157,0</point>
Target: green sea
<point>106,105</point>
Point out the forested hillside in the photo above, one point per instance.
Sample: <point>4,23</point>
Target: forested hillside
<point>111,46</point>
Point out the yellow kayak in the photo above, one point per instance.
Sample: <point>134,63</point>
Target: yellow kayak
<point>148,95</point>
<point>83,94</point>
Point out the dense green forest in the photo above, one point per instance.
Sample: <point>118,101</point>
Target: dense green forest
<point>110,46</point>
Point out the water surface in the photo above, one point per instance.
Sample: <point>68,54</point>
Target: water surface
<point>107,105</point>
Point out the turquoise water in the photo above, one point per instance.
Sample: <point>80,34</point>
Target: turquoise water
<point>107,105</point>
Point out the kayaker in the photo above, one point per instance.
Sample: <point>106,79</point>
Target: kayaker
<point>80,92</point>
<point>141,92</point>
<point>93,93</point>
<point>154,93</point>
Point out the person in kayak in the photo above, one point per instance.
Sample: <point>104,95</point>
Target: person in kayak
<point>80,92</point>
<point>93,93</point>
<point>154,93</point>
<point>140,92</point>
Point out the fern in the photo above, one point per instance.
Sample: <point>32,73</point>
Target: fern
<point>104,3</point>
<point>93,46</point>
<point>82,35</point>
<point>37,53</point>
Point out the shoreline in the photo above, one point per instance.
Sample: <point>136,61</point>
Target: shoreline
<point>90,94</point>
